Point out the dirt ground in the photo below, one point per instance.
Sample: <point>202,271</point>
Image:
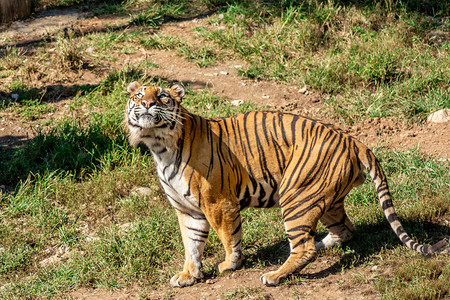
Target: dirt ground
<point>321,280</point>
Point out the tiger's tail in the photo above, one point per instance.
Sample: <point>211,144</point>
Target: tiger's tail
<point>373,167</point>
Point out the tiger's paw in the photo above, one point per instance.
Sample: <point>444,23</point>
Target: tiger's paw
<point>270,278</point>
<point>228,266</point>
<point>182,279</point>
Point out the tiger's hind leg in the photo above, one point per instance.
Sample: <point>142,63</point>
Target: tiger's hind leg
<point>335,219</point>
<point>339,225</point>
<point>300,220</point>
<point>194,232</point>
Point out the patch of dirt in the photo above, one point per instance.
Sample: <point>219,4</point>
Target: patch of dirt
<point>430,138</point>
<point>319,282</point>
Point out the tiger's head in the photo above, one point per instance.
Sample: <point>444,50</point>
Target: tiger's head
<point>153,107</point>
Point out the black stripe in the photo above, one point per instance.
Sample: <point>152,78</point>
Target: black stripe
<point>237,229</point>
<point>302,241</point>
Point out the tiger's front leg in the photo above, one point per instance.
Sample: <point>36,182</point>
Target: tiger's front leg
<point>226,221</point>
<point>194,232</point>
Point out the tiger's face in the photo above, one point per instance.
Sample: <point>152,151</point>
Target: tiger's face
<point>153,107</point>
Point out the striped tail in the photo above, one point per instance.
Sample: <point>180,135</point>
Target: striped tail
<point>372,165</point>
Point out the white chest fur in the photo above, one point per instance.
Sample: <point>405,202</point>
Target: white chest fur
<point>174,184</point>
<point>170,175</point>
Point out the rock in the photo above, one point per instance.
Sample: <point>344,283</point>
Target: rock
<point>92,237</point>
<point>90,49</point>
<point>125,227</point>
<point>440,116</point>
<point>62,253</point>
<point>224,72</point>
<point>141,191</point>
<point>49,261</point>
<point>237,102</point>
<point>303,90</point>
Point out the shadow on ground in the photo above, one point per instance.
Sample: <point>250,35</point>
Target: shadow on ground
<point>368,241</point>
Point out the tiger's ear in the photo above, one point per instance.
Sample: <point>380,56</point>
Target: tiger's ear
<point>133,87</point>
<point>177,92</point>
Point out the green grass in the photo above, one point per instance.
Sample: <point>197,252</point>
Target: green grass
<point>417,278</point>
<point>202,55</point>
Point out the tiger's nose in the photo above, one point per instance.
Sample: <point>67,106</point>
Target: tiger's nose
<point>147,104</point>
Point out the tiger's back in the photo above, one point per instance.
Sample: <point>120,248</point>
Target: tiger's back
<point>211,169</point>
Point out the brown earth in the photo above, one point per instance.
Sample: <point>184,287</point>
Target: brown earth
<point>321,281</point>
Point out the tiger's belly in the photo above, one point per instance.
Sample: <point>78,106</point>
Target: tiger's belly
<point>259,194</point>
<point>186,193</point>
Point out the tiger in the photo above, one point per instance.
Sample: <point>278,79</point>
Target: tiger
<point>213,168</point>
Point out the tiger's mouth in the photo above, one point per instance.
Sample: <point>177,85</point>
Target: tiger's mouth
<point>148,120</point>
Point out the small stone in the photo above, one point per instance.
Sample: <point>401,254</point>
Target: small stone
<point>90,49</point>
<point>224,72</point>
<point>126,226</point>
<point>221,16</point>
<point>374,268</point>
<point>237,66</point>
<point>140,191</point>
<point>303,90</point>
<point>237,102</point>
<point>49,261</point>
<point>266,97</point>
<point>91,238</point>
<point>440,116</point>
